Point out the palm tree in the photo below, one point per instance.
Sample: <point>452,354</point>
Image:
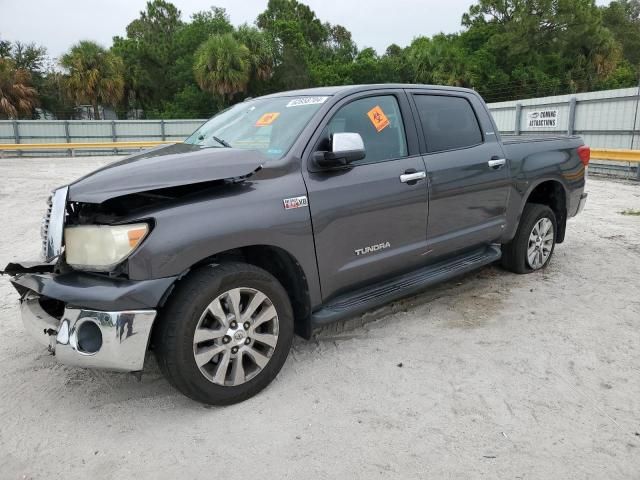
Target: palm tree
<point>261,49</point>
<point>222,66</point>
<point>17,96</point>
<point>95,76</point>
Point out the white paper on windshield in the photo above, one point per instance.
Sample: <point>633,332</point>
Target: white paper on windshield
<point>297,102</point>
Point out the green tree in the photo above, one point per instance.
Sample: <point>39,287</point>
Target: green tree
<point>190,102</point>
<point>309,52</point>
<point>53,95</point>
<point>261,58</point>
<point>339,44</point>
<point>94,75</point>
<point>149,51</point>
<point>395,64</point>
<point>189,36</point>
<point>33,59</point>
<point>334,61</point>
<point>30,57</point>
<point>540,46</point>
<point>622,18</point>
<point>17,96</point>
<point>223,66</point>
<point>184,97</point>
<point>5,49</point>
<point>440,60</point>
<point>365,68</point>
<point>297,35</point>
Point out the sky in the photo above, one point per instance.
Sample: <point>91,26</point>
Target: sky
<point>58,24</point>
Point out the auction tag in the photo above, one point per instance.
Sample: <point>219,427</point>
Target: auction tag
<point>296,102</point>
<point>267,119</point>
<point>378,118</point>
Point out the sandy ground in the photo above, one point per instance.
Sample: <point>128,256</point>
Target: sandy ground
<point>492,376</point>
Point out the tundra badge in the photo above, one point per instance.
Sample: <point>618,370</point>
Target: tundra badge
<point>372,248</point>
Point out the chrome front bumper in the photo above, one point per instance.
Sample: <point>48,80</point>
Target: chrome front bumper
<point>89,338</point>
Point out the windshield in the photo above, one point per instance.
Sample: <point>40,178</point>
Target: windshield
<point>269,125</point>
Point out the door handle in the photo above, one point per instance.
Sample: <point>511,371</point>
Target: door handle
<point>497,163</point>
<point>412,177</point>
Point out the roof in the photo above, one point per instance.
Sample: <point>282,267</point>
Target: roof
<point>343,89</point>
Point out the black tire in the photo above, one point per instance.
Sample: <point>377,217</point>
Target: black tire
<point>514,253</point>
<point>178,320</point>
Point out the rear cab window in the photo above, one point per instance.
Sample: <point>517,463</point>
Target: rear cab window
<point>448,122</point>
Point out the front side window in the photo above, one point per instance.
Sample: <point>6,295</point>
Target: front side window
<point>378,121</point>
<point>448,122</point>
<point>269,125</point>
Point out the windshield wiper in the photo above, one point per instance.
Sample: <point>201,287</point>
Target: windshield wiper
<point>219,140</point>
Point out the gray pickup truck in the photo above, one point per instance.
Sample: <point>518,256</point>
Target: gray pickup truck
<point>282,214</point>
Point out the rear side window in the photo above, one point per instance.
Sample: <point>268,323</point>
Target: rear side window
<point>448,122</point>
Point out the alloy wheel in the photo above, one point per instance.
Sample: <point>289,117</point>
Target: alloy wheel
<point>236,336</point>
<point>540,243</point>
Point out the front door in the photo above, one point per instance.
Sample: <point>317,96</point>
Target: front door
<point>368,222</point>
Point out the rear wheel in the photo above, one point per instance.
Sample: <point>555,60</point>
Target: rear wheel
<point>225,333</point>
<point>533,245</point>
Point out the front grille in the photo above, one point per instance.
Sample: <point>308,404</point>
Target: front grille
<point>44,227</point>
<point>52,227</point>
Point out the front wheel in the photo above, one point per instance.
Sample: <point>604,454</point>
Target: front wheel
<point>225,333</point>
<point>534,242</point>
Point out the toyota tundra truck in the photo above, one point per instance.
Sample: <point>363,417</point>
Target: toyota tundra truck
<point>282,214</point>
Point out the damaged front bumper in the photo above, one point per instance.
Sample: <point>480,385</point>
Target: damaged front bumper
<point>90,338</point>
<point>89,320</point>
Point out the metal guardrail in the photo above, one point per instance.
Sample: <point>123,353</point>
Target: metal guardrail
<point>72,147</point>
<point>78,146</point>
<point>75,131</point>
<point>616,162</point>
<point>617,155</point>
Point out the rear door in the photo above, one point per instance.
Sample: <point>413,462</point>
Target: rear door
<point>368,223</point>
<point>467,171</point>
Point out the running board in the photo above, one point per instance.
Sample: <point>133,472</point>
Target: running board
<point>365,299</point>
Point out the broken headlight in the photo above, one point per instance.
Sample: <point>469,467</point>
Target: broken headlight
<point>102,247</point>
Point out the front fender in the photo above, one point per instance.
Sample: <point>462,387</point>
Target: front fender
<point>251,213</point>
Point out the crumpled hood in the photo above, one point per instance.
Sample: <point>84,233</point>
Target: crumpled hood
<point>162,167</point>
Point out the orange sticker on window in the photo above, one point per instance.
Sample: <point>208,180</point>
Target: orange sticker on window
<point>267,119</point>
<point>378,118</point>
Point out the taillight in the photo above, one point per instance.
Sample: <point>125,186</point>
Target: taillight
<point>584,153</point>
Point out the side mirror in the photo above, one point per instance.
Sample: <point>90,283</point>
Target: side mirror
<point>345,148</point>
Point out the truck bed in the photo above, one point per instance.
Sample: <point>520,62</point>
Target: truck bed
<point>515,139</point>
<point>519,147</point>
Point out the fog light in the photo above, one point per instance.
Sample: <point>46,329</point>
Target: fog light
<point>89,337</point>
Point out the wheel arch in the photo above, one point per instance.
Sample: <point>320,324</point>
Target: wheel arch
<point>553,194</point>
<point>279,263</point>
